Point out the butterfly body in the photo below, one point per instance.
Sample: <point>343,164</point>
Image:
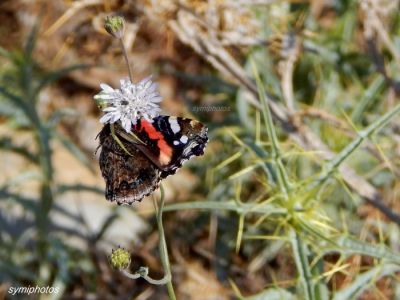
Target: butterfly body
<point>157,149</point>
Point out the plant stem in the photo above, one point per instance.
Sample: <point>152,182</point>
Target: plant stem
<point>335,163</point>
<point>243,208</point>
<point>126,59</point>
<point>137,275</point>
<point>163,246</point>
<point>43,137</point>
<point>283,178</point>
<point>303,266</point>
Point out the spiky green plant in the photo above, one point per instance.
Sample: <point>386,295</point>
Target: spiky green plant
<point>21,82</point>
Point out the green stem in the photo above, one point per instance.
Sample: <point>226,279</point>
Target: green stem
<point>283,179</point>
<point>46,193</point>
<point>302,263</point>
<point>163,246</point>
<point>243,208</point>
<point>332,165</point>
<point>125,53</point>
<point>143,272</point>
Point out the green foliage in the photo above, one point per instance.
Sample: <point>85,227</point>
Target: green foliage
<point>278,191</point>
<point>21,82</point>
<point>270,196</point>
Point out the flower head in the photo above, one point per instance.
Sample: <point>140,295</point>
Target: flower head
<point>129,103</point>
<point>120,259</point>
<point>115,25</point>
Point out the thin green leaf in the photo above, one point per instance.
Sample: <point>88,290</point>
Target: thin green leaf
<point>17,100</point>
<point>321,288</point>
<point>240,232</point>
<point>243,109</point>
<point>23,177</point>
<point>333,164</point>
<point>26,108</point>
<point>364,280</point>
<point>105,226</point>
<point>27,203</point>
<point>7,144</point>
<point>369,95</point>
<point>31,42</point>
<point>227,205</point>
<point>228,161</point>
<point>352,246</point>
<point>58,114</point>
<point>303,266</point>
<point>283,178</point>
<point>14,115</point>
<point>79,188</point>
<point>270,251</point>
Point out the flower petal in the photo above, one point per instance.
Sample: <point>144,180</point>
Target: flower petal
<point>156,99</point>
<point>126,124</point>
<point>130,102</point>
<point>152,88</point>
<point>108,97</point>
<point>125,83</point>
<point>104,119</point>
<point>115,116</point>
<point>146,82</point>
<point>110,109</point>
<point>106,88</point>
<point>134,116</point>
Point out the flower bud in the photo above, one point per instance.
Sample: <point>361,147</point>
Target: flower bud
<point>115,25</point>
<point>120,259</point>
<point>100,100</point>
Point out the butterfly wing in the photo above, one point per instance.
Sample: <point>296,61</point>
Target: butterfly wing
<point>129,178</point>
<point>167,142</point>
<point>170,141</point>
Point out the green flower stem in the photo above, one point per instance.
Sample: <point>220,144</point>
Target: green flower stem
<point>121,41</point>
<point>163,246</point>
<point>143,273</point>
<point>115,26</point>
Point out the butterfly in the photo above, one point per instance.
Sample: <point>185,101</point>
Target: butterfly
<point>134,164</point>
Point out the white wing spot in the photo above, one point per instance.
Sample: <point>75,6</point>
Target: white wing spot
<point>173,122</point>
<point>184,139</point>
<point>176,143</point>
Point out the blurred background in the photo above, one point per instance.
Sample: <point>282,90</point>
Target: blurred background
<point>330,68</point>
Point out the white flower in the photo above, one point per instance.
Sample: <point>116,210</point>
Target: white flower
<point>129,103</point>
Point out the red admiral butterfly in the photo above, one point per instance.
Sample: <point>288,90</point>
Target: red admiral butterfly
<point>136,171</point>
